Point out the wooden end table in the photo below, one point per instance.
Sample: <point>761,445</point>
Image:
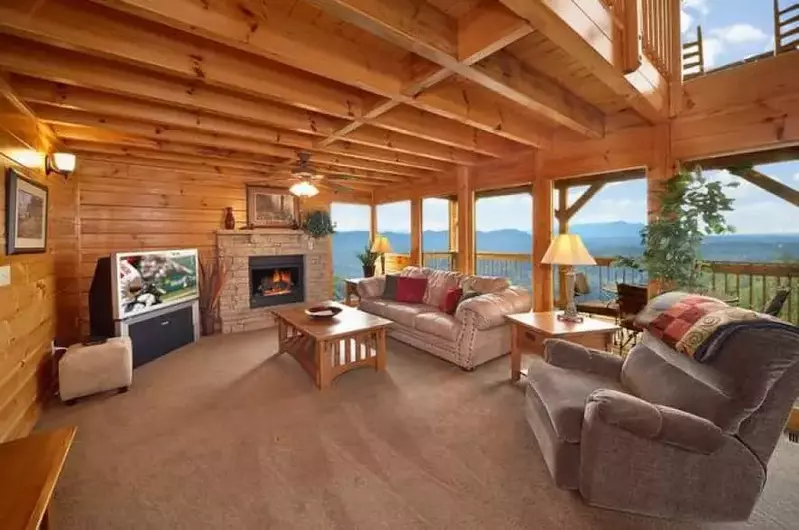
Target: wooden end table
<point>328,348</point>
<point>591,332</point>
<point>352,289</point>
<point>29,470</point>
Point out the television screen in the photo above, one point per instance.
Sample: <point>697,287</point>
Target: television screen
<point>152,280</point>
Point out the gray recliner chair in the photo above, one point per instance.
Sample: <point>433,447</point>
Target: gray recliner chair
<point>660,434</point>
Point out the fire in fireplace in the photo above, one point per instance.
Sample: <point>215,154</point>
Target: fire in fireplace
<point>276,280</point>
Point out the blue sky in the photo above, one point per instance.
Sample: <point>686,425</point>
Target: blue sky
<point>733,30</point>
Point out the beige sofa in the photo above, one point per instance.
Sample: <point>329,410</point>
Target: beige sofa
<point>475,334</point>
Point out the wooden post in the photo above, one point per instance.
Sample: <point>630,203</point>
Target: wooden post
<point>659,171</point>
<point>563,228</point>
<point>453,233</point>
<point>542,236</point>
<point>465,221</point>
<point>776,27</point>
<point>416,231</point>
<point>372,219</point>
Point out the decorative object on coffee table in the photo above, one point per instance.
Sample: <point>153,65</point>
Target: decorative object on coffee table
<point>271,207</point>
<point>380,246</point>
<point>323,312</point>
<point>368,258</point>
<point>328,348</point>
<point>26,214</point>
<point>590,332</point>
<point>567,250</point>
<point>230,219</point>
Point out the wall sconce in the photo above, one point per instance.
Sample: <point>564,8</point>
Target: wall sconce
<point>61,163</point>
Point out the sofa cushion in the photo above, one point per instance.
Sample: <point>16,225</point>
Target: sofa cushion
<point>439,324</point>
<point>451,300</point>
<point>411,290</point>
<point>563,394</point>
<point>405,314</point>
<point>390,289</point>
<point>375,306</point>
<point>438,283</point>
<point>484,284</point>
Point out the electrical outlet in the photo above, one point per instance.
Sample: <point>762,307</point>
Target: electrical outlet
<point>5,275</point>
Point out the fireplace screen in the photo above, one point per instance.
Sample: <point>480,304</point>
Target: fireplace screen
<point>276,280</point>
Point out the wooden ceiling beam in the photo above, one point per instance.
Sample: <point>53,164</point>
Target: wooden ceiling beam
<point>165,119</point>
<point>87,125</point>
<point>290,42</point>
<point>584,29</point>
<point>487,29</point>
<point>766,183</point>
<point>395,21</point>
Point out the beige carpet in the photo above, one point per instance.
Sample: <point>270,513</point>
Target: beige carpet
<point>219,435</point>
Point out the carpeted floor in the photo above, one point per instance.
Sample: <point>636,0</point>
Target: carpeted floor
<point>221,435</point>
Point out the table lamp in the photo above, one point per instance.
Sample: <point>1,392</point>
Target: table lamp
<point>567,250</point>
<point>381,246</point>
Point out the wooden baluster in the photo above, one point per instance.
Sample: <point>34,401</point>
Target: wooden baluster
<point>763,300</point>
<point>751,291</point>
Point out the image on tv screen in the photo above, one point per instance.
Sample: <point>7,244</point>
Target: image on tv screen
<point>152,279</point>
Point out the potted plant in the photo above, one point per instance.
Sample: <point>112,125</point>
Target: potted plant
<point>690,209</point>
<point>213,276</point>
<point>368,260</point>
<point>317,224</point>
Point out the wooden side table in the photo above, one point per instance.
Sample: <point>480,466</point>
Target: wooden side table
<point>29,470</point>
<point>352,290</point>
<point>591,332</point>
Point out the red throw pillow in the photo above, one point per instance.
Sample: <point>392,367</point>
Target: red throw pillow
<point>450,301</point>
<point>411,290</point>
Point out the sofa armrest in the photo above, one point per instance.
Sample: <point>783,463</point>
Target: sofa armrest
<point>371,287</point>
<point>573,356</point>
<point>654,422</point>
<point>490,309</point>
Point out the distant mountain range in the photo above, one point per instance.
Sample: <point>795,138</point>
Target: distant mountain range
<point>602,239</point>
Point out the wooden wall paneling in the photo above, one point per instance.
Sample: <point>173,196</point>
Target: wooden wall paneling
<point>40,303</point>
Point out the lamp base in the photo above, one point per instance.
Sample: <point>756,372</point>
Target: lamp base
<point>570,314</point>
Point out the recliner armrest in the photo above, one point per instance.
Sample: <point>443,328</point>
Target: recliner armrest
<point>654,422</point>
<point>490,309</point>
<point>571,356</point>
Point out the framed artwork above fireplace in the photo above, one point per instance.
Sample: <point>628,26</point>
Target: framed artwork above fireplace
<point>271,208</point>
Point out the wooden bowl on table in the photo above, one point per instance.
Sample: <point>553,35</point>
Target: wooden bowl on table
<point>323,312</point>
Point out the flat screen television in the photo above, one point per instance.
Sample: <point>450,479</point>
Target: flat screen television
<point>145,281</point>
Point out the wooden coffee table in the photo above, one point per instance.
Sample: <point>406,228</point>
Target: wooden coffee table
<point>591,332</point>
<point>328,348</point>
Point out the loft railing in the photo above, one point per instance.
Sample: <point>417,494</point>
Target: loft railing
<point>750,285</point>
<point>786,39</point>
<point>648,27</point>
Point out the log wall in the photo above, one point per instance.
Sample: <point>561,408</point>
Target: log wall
<point>40,303</point>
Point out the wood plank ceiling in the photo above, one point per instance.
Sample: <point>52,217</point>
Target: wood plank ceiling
<point>381,92</point>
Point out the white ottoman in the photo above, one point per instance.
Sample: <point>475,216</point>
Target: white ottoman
<point>85,370</point>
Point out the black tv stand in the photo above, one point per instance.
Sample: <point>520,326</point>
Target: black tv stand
<point>161,331</point>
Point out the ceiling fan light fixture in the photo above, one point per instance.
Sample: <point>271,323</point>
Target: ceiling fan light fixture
<point>303,189</point>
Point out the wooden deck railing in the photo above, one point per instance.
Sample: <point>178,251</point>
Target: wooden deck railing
<point>693,56</point>
<point>753,284</point>
<point>786,27</point>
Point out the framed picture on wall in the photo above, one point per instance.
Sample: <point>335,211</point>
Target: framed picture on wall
<point>26,214</point>
<point>271,207</point>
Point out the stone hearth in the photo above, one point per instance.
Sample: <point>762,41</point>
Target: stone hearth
<point>238,246</point>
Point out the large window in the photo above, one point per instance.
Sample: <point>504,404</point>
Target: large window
<point>503,236</point>
<point>435,233</point>
<point>394,222</point>
<point>352,235</point>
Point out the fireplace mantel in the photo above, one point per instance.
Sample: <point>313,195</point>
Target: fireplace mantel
<point>267,231</point>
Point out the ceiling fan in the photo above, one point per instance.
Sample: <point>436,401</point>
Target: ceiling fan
<point>307,176</point>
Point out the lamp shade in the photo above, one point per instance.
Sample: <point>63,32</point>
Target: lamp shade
<point>381,245</point>
<point>64,162</point>
<point>567,249</point>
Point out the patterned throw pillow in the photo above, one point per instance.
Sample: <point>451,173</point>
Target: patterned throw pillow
<point>411,290</point>
<point>449,303</point>
<point>390,290</point>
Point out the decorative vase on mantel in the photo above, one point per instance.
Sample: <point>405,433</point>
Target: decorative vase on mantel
<point>230,219</point>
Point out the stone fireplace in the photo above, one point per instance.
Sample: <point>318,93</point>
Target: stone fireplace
<point>270,268</point>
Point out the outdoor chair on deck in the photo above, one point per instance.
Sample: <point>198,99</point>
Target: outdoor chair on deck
<point>631,300</point>
<point>774,306</point>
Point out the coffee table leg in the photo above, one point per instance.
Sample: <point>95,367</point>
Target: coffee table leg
<point>380,354</point>
<point>515,353</point>
<point>322,365</point>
